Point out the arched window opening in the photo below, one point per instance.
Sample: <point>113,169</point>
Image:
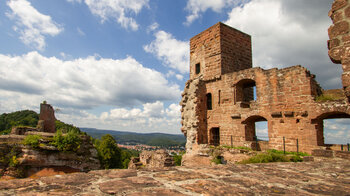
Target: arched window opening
<point>261,131</point>
<point>209,102</point>
<point>215,136</point>
<point>256,128</point>
<point>333,128</point>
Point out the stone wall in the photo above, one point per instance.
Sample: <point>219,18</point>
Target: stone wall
<point>47,118</point>
<point>339,39</point>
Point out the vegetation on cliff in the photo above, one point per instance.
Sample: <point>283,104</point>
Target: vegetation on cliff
<point>20,118</point>
<point>32,140</point>
<point>68,142</point>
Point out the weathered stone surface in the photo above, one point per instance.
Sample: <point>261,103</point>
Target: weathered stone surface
<point>322,177</point>
<point>156,159</point>
<point>339,34</point>
<point>128,184</point>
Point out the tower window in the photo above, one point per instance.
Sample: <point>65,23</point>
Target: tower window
<point>209,102</point>
<point>198,68</point>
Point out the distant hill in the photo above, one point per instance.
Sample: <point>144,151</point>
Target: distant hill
<point>152,139</point>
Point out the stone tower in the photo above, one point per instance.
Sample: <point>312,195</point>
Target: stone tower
<point>219,50</point>
<point>47,118</point>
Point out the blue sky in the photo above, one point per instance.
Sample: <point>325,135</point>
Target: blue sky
<point>122,64</point>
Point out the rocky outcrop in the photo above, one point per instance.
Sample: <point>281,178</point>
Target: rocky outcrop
<point>19,160</point>
<point>326,177</point>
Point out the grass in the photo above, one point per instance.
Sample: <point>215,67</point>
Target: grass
<point>272,156</point>
<point>238,147</point>
<point>303,154</point>
<point>326,97</point>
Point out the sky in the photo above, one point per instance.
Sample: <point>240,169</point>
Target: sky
<point>122,64</point>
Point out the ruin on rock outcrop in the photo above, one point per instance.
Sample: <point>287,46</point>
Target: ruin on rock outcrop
<point>225,96</point>
<point>45,159</point>
<point>46,123</point>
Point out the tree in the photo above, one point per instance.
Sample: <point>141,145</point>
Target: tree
<point>109,153</point>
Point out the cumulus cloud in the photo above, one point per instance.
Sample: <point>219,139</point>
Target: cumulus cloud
<point>80,83</point>
<point>288,33</point>
<point>336,131</point>
<point>197,7</point>
<point>120,10</point>
<point>153,117</point>
<point>32,25</point>
<point>172,52</point>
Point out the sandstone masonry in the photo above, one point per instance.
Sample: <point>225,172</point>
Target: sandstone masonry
<point>225,96</point>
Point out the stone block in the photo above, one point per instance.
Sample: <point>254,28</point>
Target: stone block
<point>338,4</point>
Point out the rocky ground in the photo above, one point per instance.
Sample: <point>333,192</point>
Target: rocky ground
<point>326,177</point>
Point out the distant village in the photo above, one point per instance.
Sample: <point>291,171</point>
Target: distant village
<point>142,147</point>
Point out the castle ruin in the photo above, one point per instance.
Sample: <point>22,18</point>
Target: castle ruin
<point>225,95</point>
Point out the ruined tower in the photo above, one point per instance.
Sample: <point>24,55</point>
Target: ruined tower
<point>47,118</point>
<point>219,50</point>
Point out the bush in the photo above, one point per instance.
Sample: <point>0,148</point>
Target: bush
<point>178,158</point>
<point>32,140</point>
<point>13,162</point>
<point>65,128</point>
<point>69,142</point>
<point>109,153</point>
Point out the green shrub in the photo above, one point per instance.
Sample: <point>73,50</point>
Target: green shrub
<point>178,158</point>
<point>65,128</point>
<point>32,140</point>
<point>69,142</point>
<point>295,158</point>
<point>266,157</point>
<point>13,162</point>
<point>216,155</point>
<point>108,152</point>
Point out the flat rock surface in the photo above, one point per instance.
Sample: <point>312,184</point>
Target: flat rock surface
<point>327,177</point>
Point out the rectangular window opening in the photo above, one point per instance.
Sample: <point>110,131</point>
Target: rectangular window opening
<point>198,68</point>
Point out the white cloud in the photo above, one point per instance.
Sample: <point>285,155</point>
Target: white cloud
<point>32,25</point>
<point>179,77</point>
<point>80,32</point>
<point>197,7</point>
<point>170,51</point>
<point>288,33</point>
<point>153,117</point>
<point>152,27</point>
<point>74,1</point>
<point>80,83</point>
<point>336,131</point>
<point>118,10</point>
